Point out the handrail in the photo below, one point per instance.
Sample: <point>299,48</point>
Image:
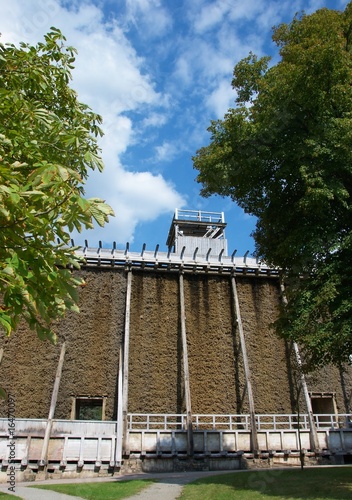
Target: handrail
<point>237,422</point>
<point>199,215</point>
<point>177,421</point>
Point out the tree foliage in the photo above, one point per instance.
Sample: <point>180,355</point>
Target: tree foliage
<point>284,154</point>
<point>48,143</point>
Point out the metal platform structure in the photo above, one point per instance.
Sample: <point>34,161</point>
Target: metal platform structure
<point>154,260</point>
<point>197,231</point>
<point>196,244</point>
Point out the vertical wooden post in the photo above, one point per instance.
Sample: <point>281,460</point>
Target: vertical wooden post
<point>254,437</point>
<point>119,413</point>
<point>190,443</point>
<point>125,363</point>
<point>44,454</point>
<point>313,435</point>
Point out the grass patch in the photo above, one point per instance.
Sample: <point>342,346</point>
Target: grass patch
<point>112,490</point>
<point>331,483</point>
<point>7,496</point>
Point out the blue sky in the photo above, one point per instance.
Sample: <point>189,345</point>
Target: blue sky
<point>157,71</point>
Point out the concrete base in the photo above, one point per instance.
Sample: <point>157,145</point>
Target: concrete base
<point>186,464</point>
<point>134,465</point>
<point>29,475</point>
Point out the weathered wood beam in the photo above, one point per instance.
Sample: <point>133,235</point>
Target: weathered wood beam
<point>190,442</point>
<point>126,348</point>
<point>313,434</point>
<point>119,412</point>
<point>49,424</point>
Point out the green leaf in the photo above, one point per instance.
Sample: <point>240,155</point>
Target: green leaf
<point>5,323</point>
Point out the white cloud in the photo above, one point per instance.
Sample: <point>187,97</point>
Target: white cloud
<point>108,73</point>
<point>166,152</point>
<point>211,15</point>
<point>221,99</point>
<point>183,71</point>
<point>137,197</point>
<point>118,135</point>
<point>149,16</point>
<point>155,120</point>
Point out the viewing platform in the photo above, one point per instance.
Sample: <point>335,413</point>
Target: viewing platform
<point>196,243</point>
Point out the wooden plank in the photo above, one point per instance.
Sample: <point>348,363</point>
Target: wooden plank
<point>36,446</point>
<point>125,445</point>
<point>254,438</point>
<point>44,454</point>
<point>314,441</point>
<point>55,449</point>
<point>190,443</point>
<point>119,423</point>
<point>24,460</point>
<point>112,451</point>
<point>81,453</point>
<point>158,447</point>
<point>98,456</point>
<point>173,444</point>
<point>63,462</point>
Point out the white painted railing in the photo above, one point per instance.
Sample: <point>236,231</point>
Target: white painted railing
<point>199,215</point>
<point>174,421</point>
<point>142,421</point>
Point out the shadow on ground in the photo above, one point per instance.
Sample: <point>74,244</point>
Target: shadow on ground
<point>333,483</point>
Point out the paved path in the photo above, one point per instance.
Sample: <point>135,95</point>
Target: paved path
<point>37,494</point>
<point>168,487</point>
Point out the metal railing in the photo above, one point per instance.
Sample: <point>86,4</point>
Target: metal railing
<point>199,215</point>
<point>241,422</point>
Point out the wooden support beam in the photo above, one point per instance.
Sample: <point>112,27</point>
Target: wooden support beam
<point>119,412</point>
<point>126,348</point>
<point>49,424</point>
<point>190,442</point>
<point>313,434</point>
<point>254,437</point>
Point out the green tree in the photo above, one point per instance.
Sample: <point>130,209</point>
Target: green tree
<point>47,146</point>
<point>284,154</point>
